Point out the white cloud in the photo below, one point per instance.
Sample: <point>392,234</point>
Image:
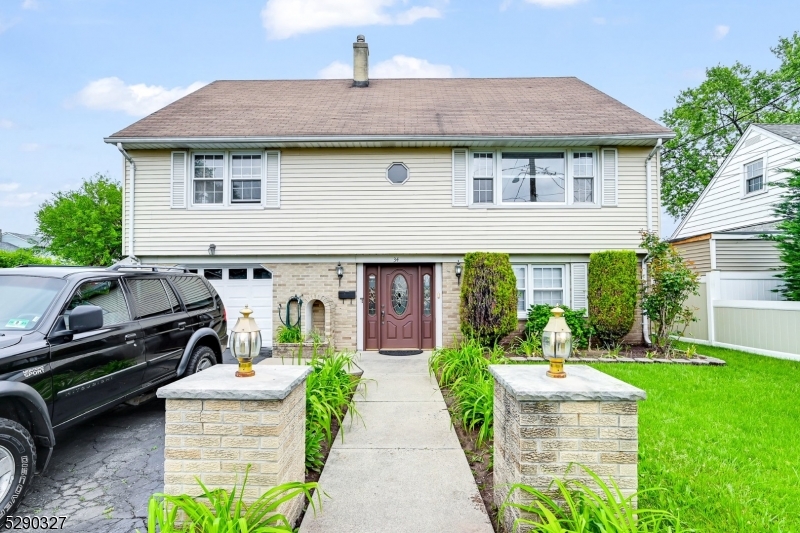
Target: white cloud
<point>399,66</point>
<point>6,124</point>
<point>284,18</point>
<point>30,147</point>
<point>30,4</point>
<point>554,3</point>
<point>20,199</point>
<point>599,20</point>
<point>6,24</point>
<point>8,187</point>
<point>136,100</point>
<point>721,31</point>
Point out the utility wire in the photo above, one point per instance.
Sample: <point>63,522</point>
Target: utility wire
<point>715,130</point>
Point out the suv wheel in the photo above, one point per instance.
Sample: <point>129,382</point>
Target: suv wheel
<point>17,464</point>
<point>202,357</point>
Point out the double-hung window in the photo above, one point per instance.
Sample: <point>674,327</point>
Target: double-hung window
<point>754,176</point>
<point>246,178</point>
<point>539,284</point>
<point>208,179</point>
<point>583,177</point>
<point>483,178</point>
<point>534,177</point>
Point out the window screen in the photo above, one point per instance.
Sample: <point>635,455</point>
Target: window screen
<point>194,293</point>
<point>150,297</point>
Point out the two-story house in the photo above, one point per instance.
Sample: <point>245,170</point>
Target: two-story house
<point>724,228</point>
<point>362,196</point>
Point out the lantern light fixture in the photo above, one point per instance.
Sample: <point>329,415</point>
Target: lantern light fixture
<point>459,270</point>
<point>340,272</point>
<point>212,249</point>
<point>557,343</point>
<point>246,343</point>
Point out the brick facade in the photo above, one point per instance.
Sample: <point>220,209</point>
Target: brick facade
<point>215,440</point>
<point>451,302</point>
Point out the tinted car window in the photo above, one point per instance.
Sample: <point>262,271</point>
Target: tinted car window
<point>24,299</point>
<point>150,297</point>
<point>106,294</point>
<point>194,293</point>
<point>173,299</point>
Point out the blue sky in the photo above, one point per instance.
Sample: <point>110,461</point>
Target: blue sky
<point>74,71</point>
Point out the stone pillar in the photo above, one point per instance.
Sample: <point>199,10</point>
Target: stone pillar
<point>542,424</point>
<point>218,424</point>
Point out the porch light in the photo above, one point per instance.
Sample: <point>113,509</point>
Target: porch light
<point>246,343</point>
<point>557,343</point>
<point>459,270</point>
<point>212,249</point>
<point>340,272</point>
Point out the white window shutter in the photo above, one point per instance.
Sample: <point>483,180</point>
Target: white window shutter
<point>610,182</point>
<point>178,187</point>
<point>273,179</point>
<point>580,286</point>
<point>459,177</point>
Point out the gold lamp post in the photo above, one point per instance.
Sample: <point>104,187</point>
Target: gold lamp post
<point>246,343</point>
<point>557,343</point>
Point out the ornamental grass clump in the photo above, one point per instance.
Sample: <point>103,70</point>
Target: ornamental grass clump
<point>464,370</point>
<point>330,393</point>
<point>578,508</point>
<point>220,511</point>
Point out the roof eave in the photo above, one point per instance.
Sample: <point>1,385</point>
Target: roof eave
<point>637,139</point>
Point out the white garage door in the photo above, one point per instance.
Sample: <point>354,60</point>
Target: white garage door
<point>244,285</point>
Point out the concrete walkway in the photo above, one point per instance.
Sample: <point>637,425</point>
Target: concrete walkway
<point>402,469</point>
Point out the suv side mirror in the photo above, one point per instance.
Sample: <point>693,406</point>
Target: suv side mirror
<point>85,318</point>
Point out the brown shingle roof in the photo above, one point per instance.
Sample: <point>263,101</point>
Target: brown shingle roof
<point>509,107</point>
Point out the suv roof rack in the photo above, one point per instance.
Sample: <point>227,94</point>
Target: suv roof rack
<point>151,268</point>
<point>54,266</point>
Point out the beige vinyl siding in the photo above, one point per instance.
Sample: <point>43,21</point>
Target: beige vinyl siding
<point>747,254</point>
<point>698,253</point>
<point>338,201</point>
<point>724,206</point>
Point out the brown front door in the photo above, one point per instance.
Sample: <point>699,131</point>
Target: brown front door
<point>398,307</point>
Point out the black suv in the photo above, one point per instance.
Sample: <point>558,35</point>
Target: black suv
<point>77,341</point>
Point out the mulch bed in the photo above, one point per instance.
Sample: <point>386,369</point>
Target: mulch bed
<point>479,459</point>
<point>631,354</point>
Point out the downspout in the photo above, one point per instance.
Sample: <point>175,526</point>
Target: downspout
<point>649,195</point>
<point>125,154</point>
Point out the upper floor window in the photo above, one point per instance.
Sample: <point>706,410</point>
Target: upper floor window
<point>208,179</point>
<point>583,177</point>
<point>754,176</point>
<point>483,178</point>
<point>246,178</point>
<point>534,177</point>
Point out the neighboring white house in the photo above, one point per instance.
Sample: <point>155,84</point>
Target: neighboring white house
<point>362,196</point>
<point>723,229</point>
<point>10,241</point>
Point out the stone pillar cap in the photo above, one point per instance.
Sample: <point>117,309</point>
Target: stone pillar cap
<point>583,383</point>
<point>219,383</point>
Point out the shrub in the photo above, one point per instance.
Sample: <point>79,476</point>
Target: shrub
<point>612,295</point>
<point>539,315</point>
<point>464,369</point>
<point>24,256</point>
<point>488,297</point>
<point>670,282</point>
<point>575,506</point>
<point>224,511</point>
<point>787,210</point>
<point>290,334</point>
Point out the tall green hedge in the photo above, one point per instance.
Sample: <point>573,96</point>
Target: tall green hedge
<point>488,297</point>
<point>612,295</point>
<point>23,256</point>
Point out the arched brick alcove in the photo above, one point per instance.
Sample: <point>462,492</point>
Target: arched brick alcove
<point>318,315</point>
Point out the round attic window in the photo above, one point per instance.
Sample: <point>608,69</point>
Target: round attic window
<point>397,173</point>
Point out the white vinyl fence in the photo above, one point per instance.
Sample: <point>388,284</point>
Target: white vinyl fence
<point>739,310</point>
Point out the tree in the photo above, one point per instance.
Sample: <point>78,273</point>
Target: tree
<point>670,282</point>
<point>488,297</point>
<point>84,226</point>
<point>788,240</point>
<point>708,120</point>
<point>24,256</point>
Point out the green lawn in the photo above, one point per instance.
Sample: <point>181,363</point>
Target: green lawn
<point>723,441</point>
